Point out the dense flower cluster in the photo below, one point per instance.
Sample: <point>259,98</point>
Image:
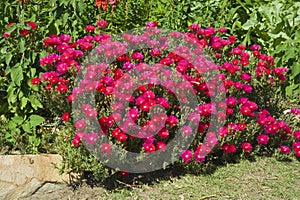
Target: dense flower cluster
<point>246,74</point>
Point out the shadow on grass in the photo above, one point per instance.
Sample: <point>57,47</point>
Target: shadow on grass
<point>176,171</point>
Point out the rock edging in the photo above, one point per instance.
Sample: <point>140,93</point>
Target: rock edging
<point>23,175</point>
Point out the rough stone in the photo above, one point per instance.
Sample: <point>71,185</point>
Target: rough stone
<point>24,175</point>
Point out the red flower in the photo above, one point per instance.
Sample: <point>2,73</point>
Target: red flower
<point>24,32</point>
<point>123,173</point>
<point>65,117</point>
<point>35,81</point>
<point>76,141</point>
<point>33,25</point>
<point>62,88</point>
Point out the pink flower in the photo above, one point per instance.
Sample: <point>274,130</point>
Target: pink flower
<point>247,88</point>
<point>122,137</point>
<point>161,146</point>
<point>172,120</point>
<point>262,139</point>
<point>90,28</point>
<point>228,148</point>
<point>222,30</point>
<point>198,157</point>
<point>246,146</point>
<point>102,24</point>
<point>80,124</point>
<point>297,135</point>
<point>91,113</point>
<point>186,130</point>
<point>137,56</point>
<point>194,27</point>
<point>151,24</point>
<point>6,34</point>
<point>186,155</point>
<point>91,138</point>
<point>245,110</point>
<point>149,147</point>
<point>295,111</point>
<point>285,149</point>
<point>246,77</point>
<point>231,101</point>
<point>163,133</point>
<point>105,148</point>
<point>255,47</point>
<point>296,145</point>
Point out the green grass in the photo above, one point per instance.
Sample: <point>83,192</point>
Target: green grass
<point>266,178</point>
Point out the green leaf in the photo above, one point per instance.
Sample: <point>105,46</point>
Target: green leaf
<point>290,53</point>
<point>8,58</point>
<point>36,120</point>
<point>22,46</point>
<point>17,75</point>
<point>26,127</point>
<point>251,22</point>
<point>11,125</point>
<point>65,19</point>
<point>18,120</point>
<point>289,89</point>
<point>24,101</point>
<point>34,102</point>
<point>295,69</point>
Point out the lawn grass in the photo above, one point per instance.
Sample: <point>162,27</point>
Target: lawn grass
<point>265,178</point>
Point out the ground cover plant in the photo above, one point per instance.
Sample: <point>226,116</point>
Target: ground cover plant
<point>254,122</point>
<point>45,48</point>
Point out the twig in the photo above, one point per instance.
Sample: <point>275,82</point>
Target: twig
<point>208,196</point>
<point>128,185</point>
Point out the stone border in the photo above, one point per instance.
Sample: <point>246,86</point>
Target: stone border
<point>23,175</point>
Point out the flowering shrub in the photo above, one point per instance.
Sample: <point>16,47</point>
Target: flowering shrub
<point>252,112</point>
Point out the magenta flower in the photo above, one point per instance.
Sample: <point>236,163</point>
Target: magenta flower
<point>297,135</point>
<point>90,28</point>
<point>6,34</point>
<point>295,111</point>
<point>161,146</point>
<point>186,155</point>
<point>148,147</point>
<point>102,24</point>
<point>246,146</point>
<point>262,139</point>
<point>163,133</point>
<point>285,149</point>
<point>198,157</point>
